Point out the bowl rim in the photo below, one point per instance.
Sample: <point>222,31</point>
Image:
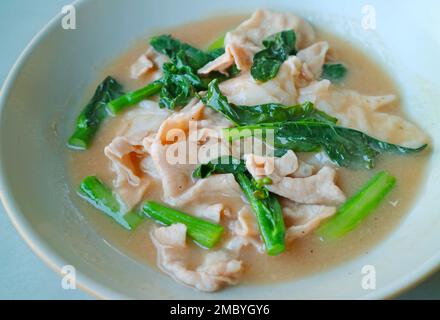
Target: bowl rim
<point>89,285</point>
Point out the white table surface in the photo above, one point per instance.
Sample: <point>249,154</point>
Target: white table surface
<point>22,274</point>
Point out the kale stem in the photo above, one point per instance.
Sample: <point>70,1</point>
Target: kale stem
<point>94,113</point>
<point>268,213</point>
<point>357,208</point>
<point>203,232</point>
<point>131,98</point>
<point>100,196</point>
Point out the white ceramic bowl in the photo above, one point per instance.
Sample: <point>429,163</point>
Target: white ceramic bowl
<point>42,96</point>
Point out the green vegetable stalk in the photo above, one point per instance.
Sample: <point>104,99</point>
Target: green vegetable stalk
<point>268,212</point>
<point>357,208</point>
<point>205,233</point>
<point>99,195</point>
<point>94,114</point>
<point>265,205</point>
<point>217,44</point>
<point>117,105</point>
